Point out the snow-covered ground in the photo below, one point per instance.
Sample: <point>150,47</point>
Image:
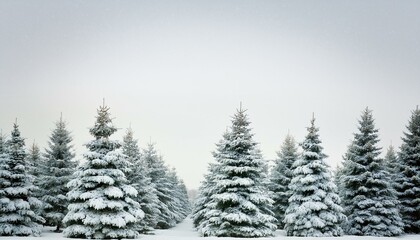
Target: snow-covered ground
<point>185,231</point>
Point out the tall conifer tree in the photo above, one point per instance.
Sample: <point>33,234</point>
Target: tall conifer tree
<point>56,171</point>
<point>239,206</point>
<point>280,178</point>
<point>141,181</point>
<point>409,183</point>
<point>101,199</point>
<point>17,203</point>
<point>369,200</point>
<point>314,209</point>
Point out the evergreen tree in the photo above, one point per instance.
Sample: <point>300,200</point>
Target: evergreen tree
<point>101,200</point>
<point>56,171</point>
<point>409,183</point>
<point>159,177</point>
<point>205,191</point>
<point>139,178</point>
<point>17,203</point>
<point>34,162</point>
<point>179,205</point>
<point>280,178</point>
<point>240,206</point>
<point>368,198</point>
<point>314,209</point>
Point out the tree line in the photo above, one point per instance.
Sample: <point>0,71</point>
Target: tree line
<point>117,191</point>
<point>367,195</point>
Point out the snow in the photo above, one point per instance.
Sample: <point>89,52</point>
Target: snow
<point>185,231</point>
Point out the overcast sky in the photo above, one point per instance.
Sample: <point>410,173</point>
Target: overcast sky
<point>177,70</point>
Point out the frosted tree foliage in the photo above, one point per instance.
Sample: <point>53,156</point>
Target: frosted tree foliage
<point>239,206</point>
<point>17,204</point>
<point>101,200</point>
<point>56,171</point>
<point>368,198</point>
<point>34,162</point>
<point>314,209</point>
<point>409,183</point>
<point>159,177</point>
<point>280,178</point>
<point>140,180</point>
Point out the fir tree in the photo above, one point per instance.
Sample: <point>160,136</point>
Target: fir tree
<point>101,200</point>
<point>205,191</point>
<point>368,198</point>
<point>239,206</point>
<point>280,178</point>
<point>34,162</point>
<point>158,173</point>
<point>139,178</point>
<point>409,183</point>
<point>57,171</point>
<point>17,203</point>
<point>314,209</point>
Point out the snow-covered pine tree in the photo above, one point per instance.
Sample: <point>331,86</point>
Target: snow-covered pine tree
<point>179,204</point>
<point>17,203</point>
<point>57,171</point>
<point>409,185</point>
<point>369,200</point>
<point>314,209</point>
<point>158,173</point>
<point>101,200</point>
<point>280,177</point>
<point>239,206</point>
<point>34,162</point>
<point>205,191</point>
<point>139,178</point>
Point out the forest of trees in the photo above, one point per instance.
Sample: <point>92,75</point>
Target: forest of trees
<point>118,191</point>
<point>122,191</point>
<point>368,195</point>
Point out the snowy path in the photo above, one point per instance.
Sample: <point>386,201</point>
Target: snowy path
<point>185,230</point>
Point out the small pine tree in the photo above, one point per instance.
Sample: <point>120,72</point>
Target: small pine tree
<point>17,203</point>
<point>240,206</point>
<point>280,178</point>
<point>159,177</point>
<point>57,171</point>
<point>35,162</point>
<point>368,198</point>
<point>101,200</point>
<point>409,184</point>
<point>314,209</point>
<point>139,178</point>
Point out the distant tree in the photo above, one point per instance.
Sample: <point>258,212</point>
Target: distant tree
<point>314,209</point>
<point>369,200</point>
<point>408,185</point>
<point>139,178</point>
<point>56,171</point>
<point>34,162</point>
<point>17,203</point>
<point>280,178</point>
<point>158,173</point>
<point>101,199</point>
<point>239,206</point>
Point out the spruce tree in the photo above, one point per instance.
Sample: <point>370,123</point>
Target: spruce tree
<point>35,162</point>
<point>280,178</point>
<point>369,200</point>
<point>56,171</point>
<point>158,173</point>
<point>314,209</point>
<point>240,206</point>
<point>101,200</point>
<point>17,203</point>
<point>139,178</point>
<point>409,183</point>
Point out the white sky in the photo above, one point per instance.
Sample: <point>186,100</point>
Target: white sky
<point>177,70</point>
